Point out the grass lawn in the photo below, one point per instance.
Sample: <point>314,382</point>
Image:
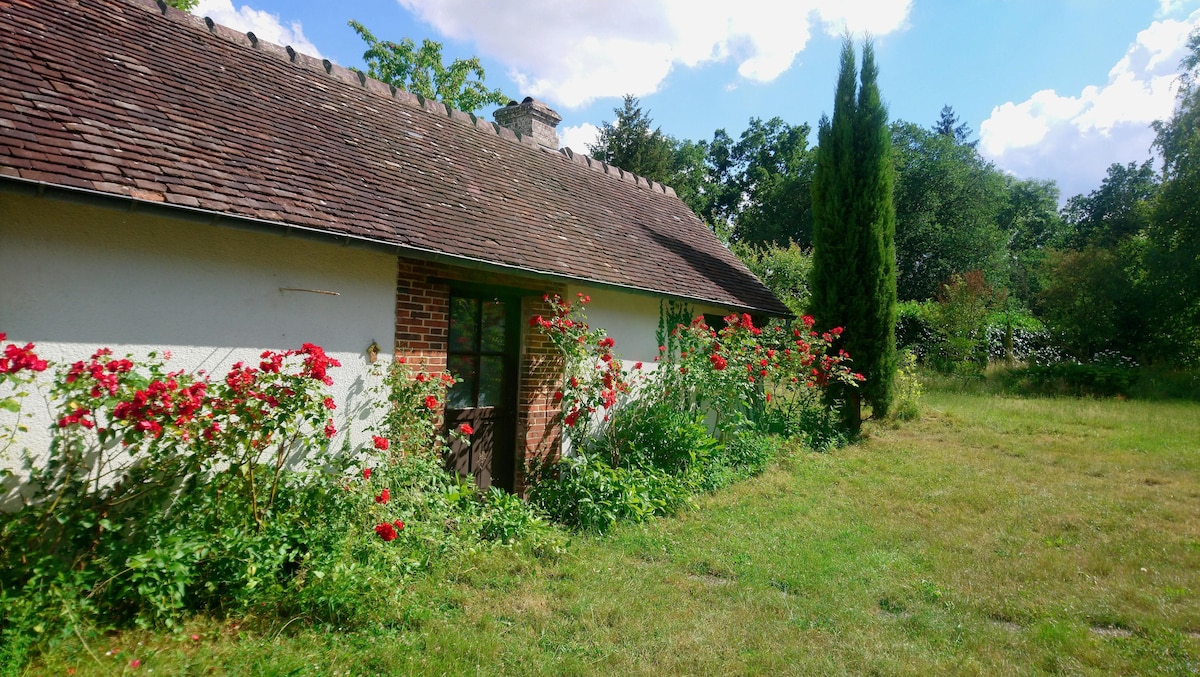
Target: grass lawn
<point>993,536</point>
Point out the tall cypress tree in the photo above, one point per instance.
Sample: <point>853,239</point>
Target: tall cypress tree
<point>876,217</point>
<point>854,224</point>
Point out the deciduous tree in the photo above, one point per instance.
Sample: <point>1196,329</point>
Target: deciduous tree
<point>422,70</point>
<point>1173,254</point>
<point>947,202</point>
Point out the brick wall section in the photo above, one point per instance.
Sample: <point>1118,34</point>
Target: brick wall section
<point>422,332</point>
<point>538,430</point>
<point>422,315</point>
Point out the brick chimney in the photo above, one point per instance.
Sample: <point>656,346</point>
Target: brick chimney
<point>531,118</point>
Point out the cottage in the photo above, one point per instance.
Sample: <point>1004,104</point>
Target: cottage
<point>167,183</point>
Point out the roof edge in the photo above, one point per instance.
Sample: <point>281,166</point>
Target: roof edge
<point>27,187</point>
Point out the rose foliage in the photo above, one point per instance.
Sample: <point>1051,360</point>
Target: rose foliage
<point>643,440</point>
<point>167,493</point>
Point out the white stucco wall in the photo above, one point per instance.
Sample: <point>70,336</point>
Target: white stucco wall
<point>76,278</point>
<point>630,319</point>
<point>632,322</point>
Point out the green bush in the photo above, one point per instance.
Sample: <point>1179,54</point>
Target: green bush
<point>908,389</point>
<point>914,331</point>
<point>165,495</point>
<point>584,492</point>
<point>653,435</point>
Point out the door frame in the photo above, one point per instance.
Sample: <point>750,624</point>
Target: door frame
<point>505,452</point>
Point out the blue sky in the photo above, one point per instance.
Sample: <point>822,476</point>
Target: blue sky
<point>1054,89</point>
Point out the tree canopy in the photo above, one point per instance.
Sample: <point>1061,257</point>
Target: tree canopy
<point>951,127</point>
<point>1114,271</point>
<point>423,71</point>
<point>631,142</point>
<point>947,202</point>
<point>764,188</point>
<point>1173,234</point>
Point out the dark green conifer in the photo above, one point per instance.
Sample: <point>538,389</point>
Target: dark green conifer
<point>854,223</point>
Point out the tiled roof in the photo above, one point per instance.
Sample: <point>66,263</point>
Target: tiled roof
<point>123,98</point>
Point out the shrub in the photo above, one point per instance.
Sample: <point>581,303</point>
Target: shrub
<point>959,320</point>
<point>411,421</point>
<point>636,457</point>
<point>907,389</point>
<point>914,332</point>
<point>652,435</point>
<point>166,494</point>
<point>585,492</point>
<point>506,519</point>
<point>640,458</point>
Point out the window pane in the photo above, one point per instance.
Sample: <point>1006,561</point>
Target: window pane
<point>463,330</point>
<point>493,327</point>
<point>491,381</point>
<point>462,395</point>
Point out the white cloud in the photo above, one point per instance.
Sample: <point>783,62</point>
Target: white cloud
<point>1167,7</point>
<point>578,138</point>
<point>570,53</point>
<point>264,25</point>
<point>1073,139</point>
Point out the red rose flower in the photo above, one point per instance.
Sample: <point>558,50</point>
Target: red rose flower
<point>399,525</point>
<point>381,443</point>
<point>330,431</point>
<point>466,429</point>
<point>431,402</point>
<point>384,497</point>
<point>386,531</point>
<point>329,403</point>
<point>366,473</point>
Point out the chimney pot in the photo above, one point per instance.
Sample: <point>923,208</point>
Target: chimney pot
<point>531,118</point>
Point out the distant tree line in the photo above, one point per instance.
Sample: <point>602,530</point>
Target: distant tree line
<point>1114,271</point>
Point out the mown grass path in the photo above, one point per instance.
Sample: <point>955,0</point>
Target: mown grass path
<point>993,536</point>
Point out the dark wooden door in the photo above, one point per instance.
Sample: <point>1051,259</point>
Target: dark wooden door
<point>483,352</point>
